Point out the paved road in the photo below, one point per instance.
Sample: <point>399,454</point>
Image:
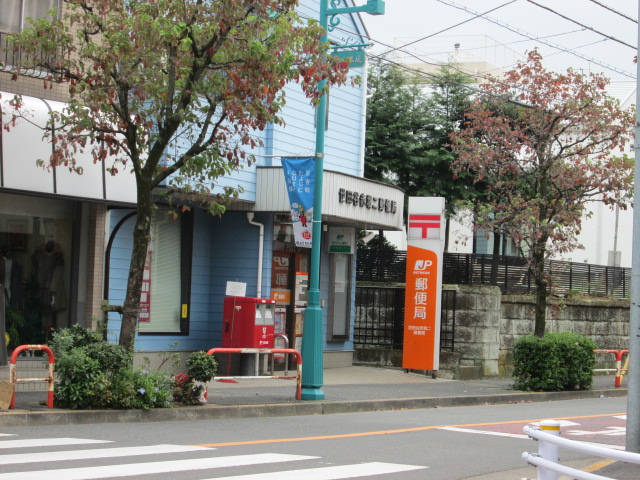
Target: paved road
<point>478,442</point>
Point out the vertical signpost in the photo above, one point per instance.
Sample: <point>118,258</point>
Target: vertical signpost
<point>425,239</point>
<point>312,374</point>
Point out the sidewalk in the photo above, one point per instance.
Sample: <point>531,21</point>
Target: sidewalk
<point>351,389</point>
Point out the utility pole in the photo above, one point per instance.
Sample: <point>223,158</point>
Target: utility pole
<point>633,392</point>
<point>312,344</point>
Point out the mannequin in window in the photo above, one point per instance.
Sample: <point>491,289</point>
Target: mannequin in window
<point>6,266</point>
<point>47,266</point>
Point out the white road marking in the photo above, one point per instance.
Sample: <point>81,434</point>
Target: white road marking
<point>622,417</point>
<point>48,442</point>
<point>132,469</point>
<point>485,432</point>
<point>7,434</point>
<point>96,453</point>
<point>330,473</point>
<point>563,423</point>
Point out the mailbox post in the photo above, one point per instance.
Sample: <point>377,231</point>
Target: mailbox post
<point>248,323</point>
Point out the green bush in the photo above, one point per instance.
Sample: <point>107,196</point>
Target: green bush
<point>152,389</point>
<point>67,339</point>
<point>80,381</point>
<point>555,362</point>
<point>92,373</point>
<point>201,367</point>
<point>190,387</point>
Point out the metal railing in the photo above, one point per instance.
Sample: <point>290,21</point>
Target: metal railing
<point>511,274</point>
<point>10,57</point>
<point>13,374</point>
<point>548,435</point>
<point>265,351</point>
<point>379,320</point>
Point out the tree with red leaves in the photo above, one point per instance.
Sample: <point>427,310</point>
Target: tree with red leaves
<point>173,90</point>
<point>546,144</point>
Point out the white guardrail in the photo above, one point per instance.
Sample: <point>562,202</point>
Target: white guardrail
<point>548,434</point>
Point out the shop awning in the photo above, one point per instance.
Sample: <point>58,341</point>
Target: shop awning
<point>23,145</point>
<point>347,200</point>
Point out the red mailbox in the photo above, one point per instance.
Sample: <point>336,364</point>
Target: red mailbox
<point>248,322</point>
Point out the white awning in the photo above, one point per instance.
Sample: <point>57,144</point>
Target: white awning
<point>347,200</point>
<point>23,145</point>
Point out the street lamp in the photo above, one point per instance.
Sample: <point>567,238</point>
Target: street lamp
<point>312,374</point>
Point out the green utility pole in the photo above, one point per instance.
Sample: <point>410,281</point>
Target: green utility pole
<point>633,392</point>
<point>312,344</point>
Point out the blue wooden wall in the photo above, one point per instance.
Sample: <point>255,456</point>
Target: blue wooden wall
<point>226,248</point>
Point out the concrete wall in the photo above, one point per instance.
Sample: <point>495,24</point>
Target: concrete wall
<point>488,323</point>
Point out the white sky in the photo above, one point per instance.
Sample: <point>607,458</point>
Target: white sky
<point>409,20</point>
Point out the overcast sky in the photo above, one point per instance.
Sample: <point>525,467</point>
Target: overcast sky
<point>408,20</point>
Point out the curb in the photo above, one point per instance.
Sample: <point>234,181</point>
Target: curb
<point>215,412</point>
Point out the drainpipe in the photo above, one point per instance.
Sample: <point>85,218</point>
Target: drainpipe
<point>260,252</point>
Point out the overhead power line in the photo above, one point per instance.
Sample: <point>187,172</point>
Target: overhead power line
<point>452,26</point>
<point>614,11</point>
<point>533,37</point>
<point>544,7</point>
<point>466,50</point>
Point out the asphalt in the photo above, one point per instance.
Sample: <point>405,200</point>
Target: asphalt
<point>351,389</point>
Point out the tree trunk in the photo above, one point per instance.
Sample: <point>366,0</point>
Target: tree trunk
<point>141,234</point>
<point>541,291</point>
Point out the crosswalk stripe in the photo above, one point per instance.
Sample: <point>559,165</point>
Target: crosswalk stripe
<point>96,453</point>
<point>329,473</point>
<point>7,434</point>
<point>128,470</point>
<point>48,442</point>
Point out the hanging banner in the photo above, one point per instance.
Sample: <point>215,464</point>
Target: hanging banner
<point>422,309</point>
<point>299,176</point>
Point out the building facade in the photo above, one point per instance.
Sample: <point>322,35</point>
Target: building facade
<point>68,238</point>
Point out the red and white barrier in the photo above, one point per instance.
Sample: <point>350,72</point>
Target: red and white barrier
<point>13,374</point>
<point>257,352</point>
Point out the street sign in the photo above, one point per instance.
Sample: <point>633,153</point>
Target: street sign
<point>356,58</point>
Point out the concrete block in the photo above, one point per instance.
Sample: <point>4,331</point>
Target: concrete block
<point>470,373</point>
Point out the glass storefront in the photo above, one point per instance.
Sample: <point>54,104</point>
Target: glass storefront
<point>35,247</point>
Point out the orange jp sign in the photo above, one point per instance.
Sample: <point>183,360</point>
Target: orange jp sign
<point>421,310</point>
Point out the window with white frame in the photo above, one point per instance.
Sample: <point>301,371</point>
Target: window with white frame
<point>14,15</point>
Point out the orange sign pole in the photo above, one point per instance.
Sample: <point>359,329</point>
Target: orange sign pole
<point>425,235</point>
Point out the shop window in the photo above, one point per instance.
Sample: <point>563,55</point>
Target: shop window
<point>164,303</point>
<point>340,296</point>
<point>35,274</point>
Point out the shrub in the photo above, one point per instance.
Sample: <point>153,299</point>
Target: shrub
<point>152,389</point>
<point>201,367</point>
<point>555,362</point>
<point>92,373</point>
<point>190,387</point>
<point>80,381</point>
<point>67,339</point>
<point>188,391</point>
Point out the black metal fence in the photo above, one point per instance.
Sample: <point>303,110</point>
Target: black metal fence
<point>380,318</point>
<point>511,274</point>
<point>10,57</point>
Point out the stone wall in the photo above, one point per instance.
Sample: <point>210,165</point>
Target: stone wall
<point>488,323</point>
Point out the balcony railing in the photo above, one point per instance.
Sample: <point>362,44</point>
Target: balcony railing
<point>10,57</point>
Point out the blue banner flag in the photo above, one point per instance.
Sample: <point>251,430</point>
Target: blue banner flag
<point>299,176</point>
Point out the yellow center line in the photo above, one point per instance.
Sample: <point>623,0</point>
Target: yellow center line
<point>390,432</point>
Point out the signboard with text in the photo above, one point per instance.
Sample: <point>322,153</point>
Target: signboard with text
<point>299,175</point>
<point>425,232</point>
